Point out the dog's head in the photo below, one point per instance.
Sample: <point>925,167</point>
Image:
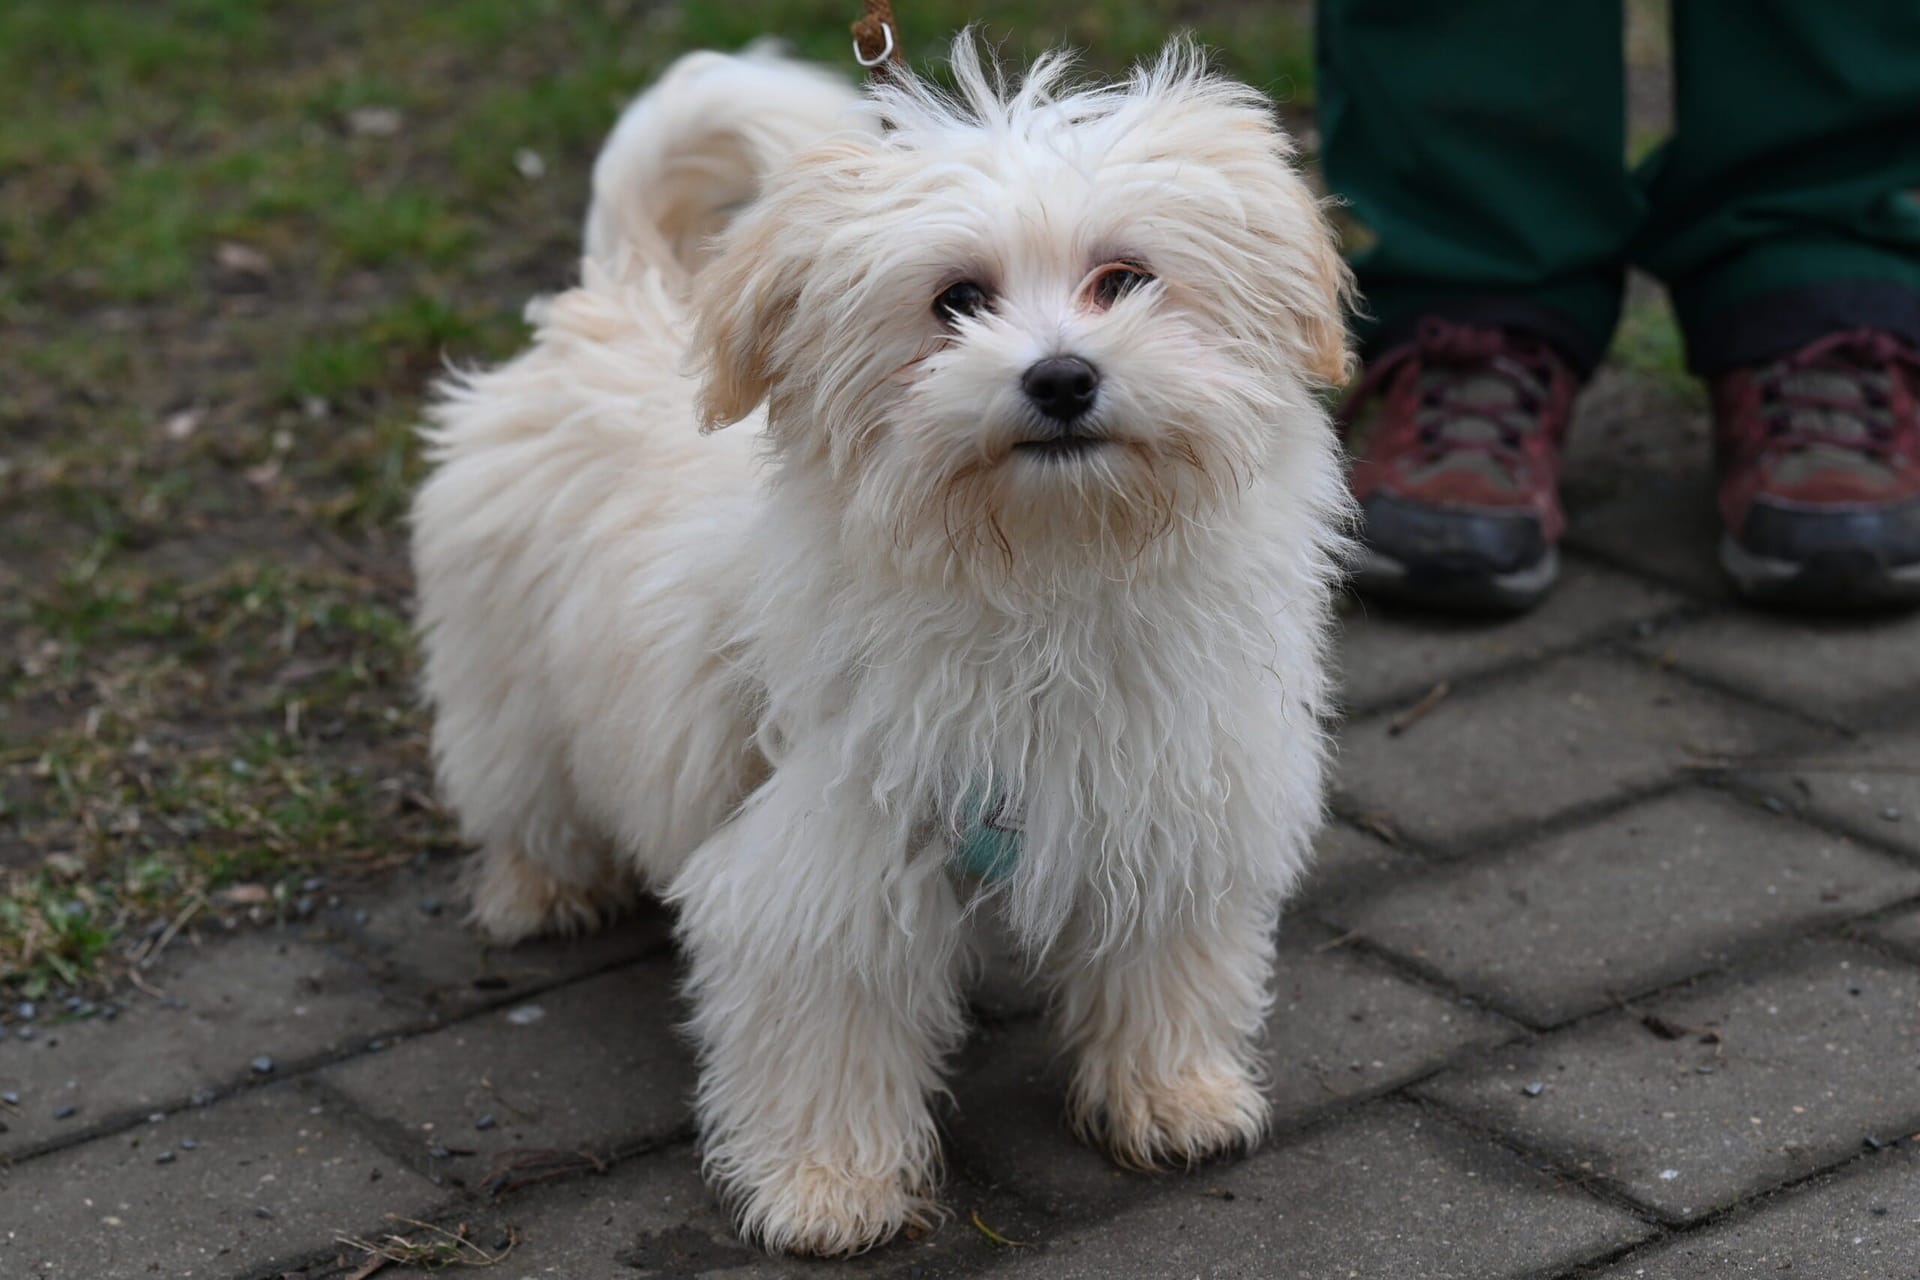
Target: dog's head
<point>1026,319</point>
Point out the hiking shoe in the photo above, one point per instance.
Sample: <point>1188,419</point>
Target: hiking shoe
<point>1819,458</point>
<point>1455,439</point>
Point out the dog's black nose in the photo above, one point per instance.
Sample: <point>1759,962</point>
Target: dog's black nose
<point>1061,387</point>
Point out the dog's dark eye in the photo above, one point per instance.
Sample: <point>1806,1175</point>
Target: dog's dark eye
<point>1117,281</point>
<point>956,300</point>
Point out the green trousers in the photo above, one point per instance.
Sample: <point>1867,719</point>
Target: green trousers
<point>1480,145</point>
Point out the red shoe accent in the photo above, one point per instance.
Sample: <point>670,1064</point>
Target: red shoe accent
<point>1819,457</point>
<point>1456,442</point>
<point>1464,417</point>
<point>1835,424</point>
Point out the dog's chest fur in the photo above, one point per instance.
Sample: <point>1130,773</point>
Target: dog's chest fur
<point>1156,726</point>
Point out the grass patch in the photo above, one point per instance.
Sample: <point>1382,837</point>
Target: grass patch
<point>1648,343</point>
<point>402,342</point>
<point>55,932</point>
<point>375,229</point>
<point>249,728</point>
<point>149,836</point>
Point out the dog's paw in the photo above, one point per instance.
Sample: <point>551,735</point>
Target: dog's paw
<point>1152,1124</point>
<point>515,899</point>
<point>820,1211</point>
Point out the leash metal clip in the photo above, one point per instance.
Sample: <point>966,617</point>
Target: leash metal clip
<point>886,30</point>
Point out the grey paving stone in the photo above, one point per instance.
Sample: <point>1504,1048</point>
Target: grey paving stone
<point>1001,989</point>
<point>413,937</point>
<point>1393,656</point>
<point>1627,425</point>
<point>1391,1192</point>
<point>655,1217</point>
<point>1346,862</point>
<point>1006,1126</point>
<point>1864,1222</point>
<point>1572,732</point>
<point>1638,481</point>
<point>1811,1058</point>
<point>228,1002</point>
<point>1572,923</point>
<point>1342,1027</point>
<point>1902,930</point>
<point>597,1065</point>
<point>1850,670</point>
<point>1871,786</point>
<point>275,1173</point>
<point>648,1217</point>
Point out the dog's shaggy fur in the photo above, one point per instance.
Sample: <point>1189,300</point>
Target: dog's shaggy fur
<point>762,672</point>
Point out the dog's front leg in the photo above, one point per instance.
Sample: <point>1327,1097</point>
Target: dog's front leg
<point>1163,1031</point>
<point>823,955</point>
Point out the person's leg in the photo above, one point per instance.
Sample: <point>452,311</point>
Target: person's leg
<point>1784,207</point>
<point>1785,219</point>
<point>1479,146</point>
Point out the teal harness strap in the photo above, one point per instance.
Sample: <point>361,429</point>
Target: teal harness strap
<point>989,843</point>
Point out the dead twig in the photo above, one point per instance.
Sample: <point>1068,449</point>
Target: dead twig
<point>996,1237</point>
<point>146,959</point>
<point>1665,1028</point>
<point>1419,710</point>
<point>520,1168</point>
<point>375,1262</point>
<point>1378,826</point>
<point>442,1248</point>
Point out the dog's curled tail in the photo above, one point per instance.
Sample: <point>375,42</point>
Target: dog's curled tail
<point>694,147</point>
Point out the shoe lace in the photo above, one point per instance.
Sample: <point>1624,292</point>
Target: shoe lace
<point>1840,392</point>
<point>1480,390</point>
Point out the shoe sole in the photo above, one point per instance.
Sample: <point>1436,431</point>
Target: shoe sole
<point>1457,589</point>
<point>1836,581</point>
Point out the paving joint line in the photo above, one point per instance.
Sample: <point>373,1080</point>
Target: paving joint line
<point>1711,683</point>
<point>1544,1159</point>
<point>1713,603</point>
<point>1470,678</point>
<point>386,1039</point>
<point>460,1200</point>
<point>1433,981</point>
<point>1564,1164</point>
<point>1501,839</point>
<point>390,1137</point>
<point>1750,954</point>
<point>1809,814</point>
<point>1751,1202</point>
<point>1753,960</point>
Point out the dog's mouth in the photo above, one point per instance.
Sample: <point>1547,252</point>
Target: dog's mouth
<point>1060,448</point>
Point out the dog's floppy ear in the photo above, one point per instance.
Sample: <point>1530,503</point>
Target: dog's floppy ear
<point>1310,284</point>
<point>743,300</point>
<point>1232,149</point>
<point>1313,284</point>
<point>1323,322</point>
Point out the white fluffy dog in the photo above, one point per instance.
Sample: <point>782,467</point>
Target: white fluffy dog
<point>1036,504</point>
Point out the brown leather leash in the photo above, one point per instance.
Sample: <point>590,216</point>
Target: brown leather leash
<point>876,41</point>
